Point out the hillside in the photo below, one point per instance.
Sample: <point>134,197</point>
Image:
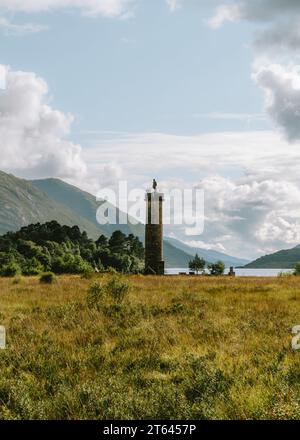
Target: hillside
<point>208,255</point>
<point>24,202</point>
<point>285,259</point>
<point>174,257</point>
<point>83,204</point>
<point>86,205</point>
<point>21,204</point>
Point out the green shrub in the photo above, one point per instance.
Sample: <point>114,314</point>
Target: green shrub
<point>96,294</point>
<point>66,250</point>
<point>88,273</point>
<point>197,264</point>
<point>112,270</point>
<point>32,267</point>
<point>117,289</point>
<point>217,269</point>
<point>71,264</point>
<point>10,270</point>
<point>297,270</point>
<point>48,278</point>
<point>285,274</point>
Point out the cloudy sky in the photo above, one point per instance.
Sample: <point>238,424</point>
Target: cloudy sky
<point>195,93</point>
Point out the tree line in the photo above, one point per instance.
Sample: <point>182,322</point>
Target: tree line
<point>60,249</point>
<point>198,264</point>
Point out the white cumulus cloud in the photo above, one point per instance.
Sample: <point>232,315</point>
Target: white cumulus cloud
<point>249,194</point>
<point>276,43</point>
<point>282,93</point>
<point>256,214</point>
<point>33,135</point>
<point>225,13</point>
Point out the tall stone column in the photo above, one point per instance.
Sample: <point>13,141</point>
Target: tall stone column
<point>154,264</point>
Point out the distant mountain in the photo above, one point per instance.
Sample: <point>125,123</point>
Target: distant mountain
<point>285,259</point>
<point>83,204</point>
<point>86,205</point>
<point>174,257</point>
<point>24,202</point>
<point>208,255</point>
<point>21,203</point>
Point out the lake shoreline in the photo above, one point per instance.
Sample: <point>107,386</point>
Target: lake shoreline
<point>240,272</point>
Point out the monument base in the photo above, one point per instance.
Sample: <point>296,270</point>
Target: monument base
<point>155,269</point>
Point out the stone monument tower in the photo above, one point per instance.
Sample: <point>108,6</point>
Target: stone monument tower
<point>154,264</point>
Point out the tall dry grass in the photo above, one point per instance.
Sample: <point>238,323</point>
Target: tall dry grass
<point>171,347</point>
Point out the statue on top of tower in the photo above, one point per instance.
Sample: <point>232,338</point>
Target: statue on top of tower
<point>154,186</point>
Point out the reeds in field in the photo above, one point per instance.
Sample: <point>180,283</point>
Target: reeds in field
<point>144,347</point>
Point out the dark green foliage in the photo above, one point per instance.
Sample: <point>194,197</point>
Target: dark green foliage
<point>217,269</point>
<point>88,274</point>
<point>32,267</point>
<point>66,250</point>
<point>71,264</point>
<point>297,270</point>
<point>121,252</point>
<point>197,264</point>
<point>48,278</point>
<point>111,270</point>
<point>10,270</point>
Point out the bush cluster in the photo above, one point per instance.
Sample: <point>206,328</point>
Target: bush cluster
<point>198,264</point>
<point>48,278</point>
<point>66,250</point>
<point>115,289</point>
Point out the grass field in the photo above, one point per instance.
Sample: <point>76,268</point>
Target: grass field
<point>175,347</point>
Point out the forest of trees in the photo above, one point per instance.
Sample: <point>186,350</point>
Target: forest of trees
<point>66,250</point>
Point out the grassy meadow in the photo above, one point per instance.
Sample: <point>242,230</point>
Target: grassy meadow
<point>173,347</point>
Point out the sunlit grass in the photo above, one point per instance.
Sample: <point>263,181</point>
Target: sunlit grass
<point>174,347</point>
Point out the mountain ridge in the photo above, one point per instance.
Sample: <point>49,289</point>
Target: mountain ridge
<point>23,202</point>
<point>210,256</point>
<point>283,259</point>
<point>83,203</point>
<point>86,205</point>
